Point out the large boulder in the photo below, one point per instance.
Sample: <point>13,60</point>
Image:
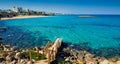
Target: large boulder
<point>89,57</point>
<point>105,61</point>
<point>10,58</point>
<point>19,55</point>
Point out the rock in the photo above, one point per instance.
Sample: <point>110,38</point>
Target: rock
<point>2,59</point>
<point>7,62</point>
<point>12,49</point>
<point>1,48</point>
<point>22,61</point>
<point>36,48</point>
<point>114,59</point>
<point>28,62</point>
<point>91,61</point>
<point>42,47</point>
<point>33,60</point>
<point>7,58</point>
<point>41,52</point>
<point>23,50</point>
<point>74,63</point>
<point>67,59</point>
<point>112,62</point>
<point>80,54</point>
<point>3,28</point>
<point>5,49</point>
<point>18,61</point>
<point>3,62</point>
<point>10,58</point>
<point>118,62</point>
<point>66,50</point>
<point>77,54</point>
<point>104,62</point>
<point>99,59</point>
<point>13,62</point>
<point>1,45</point>
<point>5,55</point>
<point>118,59</point>
<point>85,52</point>
<point>17,55</point>
<point>88,55</point>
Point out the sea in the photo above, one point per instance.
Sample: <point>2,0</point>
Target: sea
<point>100,33</point>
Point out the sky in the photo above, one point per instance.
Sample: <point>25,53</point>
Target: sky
<point>66,6</point>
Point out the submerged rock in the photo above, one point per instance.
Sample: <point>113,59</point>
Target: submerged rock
<point>3,29</point>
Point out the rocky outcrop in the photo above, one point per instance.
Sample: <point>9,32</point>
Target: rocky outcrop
<point>12,56</point>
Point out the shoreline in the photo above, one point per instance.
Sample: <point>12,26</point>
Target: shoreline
<point>22,17</point>
<point>80,56</point>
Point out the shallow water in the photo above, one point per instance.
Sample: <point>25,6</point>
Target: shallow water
<point>98,32</point>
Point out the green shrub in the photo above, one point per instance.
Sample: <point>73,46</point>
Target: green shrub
<point>35,56</point>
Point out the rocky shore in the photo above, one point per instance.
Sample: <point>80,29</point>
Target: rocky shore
<point>9,55</point>
<point>66,55</point>
<point>85,57</point>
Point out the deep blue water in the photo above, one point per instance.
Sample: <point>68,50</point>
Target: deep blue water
<point>98,32</point>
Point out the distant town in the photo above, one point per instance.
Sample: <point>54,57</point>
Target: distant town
<point>16,11</point>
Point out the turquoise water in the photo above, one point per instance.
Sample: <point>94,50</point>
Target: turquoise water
<point>100,31</point>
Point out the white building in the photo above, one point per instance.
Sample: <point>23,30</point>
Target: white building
<point>26,10</point>
<point>17,9</point>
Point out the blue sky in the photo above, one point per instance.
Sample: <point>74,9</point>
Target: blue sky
<point>66,6</point>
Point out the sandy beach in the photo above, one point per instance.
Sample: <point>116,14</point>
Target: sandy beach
<point>20,17</point>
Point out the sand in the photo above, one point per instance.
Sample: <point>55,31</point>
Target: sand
<point>20,17</point>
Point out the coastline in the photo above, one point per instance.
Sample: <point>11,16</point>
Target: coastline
<point>21,17</point>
